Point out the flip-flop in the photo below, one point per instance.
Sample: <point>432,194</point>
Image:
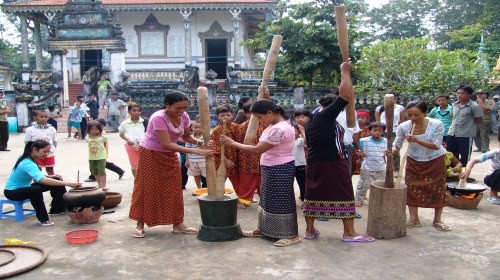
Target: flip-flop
<point>493,200</point>
<point>138,233</point>
<point>315,234</point>
<point>46,223</point>
<point>249,233</point>
<point>364,238</point>
<point>441,227</point>
<point>188,230</point>
<point>413,225</point>
<point>287,242</point>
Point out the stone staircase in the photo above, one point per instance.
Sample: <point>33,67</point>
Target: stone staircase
<point>75,90</point>
<point>63,119</point>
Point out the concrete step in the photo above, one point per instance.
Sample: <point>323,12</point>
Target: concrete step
<point>75,90</point>
<point>63,119</point>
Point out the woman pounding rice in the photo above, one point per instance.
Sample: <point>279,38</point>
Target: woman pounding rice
<point>157,198</point>
<point>425,163</point>
<point>277,210</point>
<point>329,192</point>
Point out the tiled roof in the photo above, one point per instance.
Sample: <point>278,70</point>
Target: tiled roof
<point>135,2</point>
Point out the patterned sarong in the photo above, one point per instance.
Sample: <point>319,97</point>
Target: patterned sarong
<point>277,210</point>
<point>157,198</point>
<point>426,182</point>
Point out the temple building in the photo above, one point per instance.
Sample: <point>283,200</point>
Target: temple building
<point>145,39</point>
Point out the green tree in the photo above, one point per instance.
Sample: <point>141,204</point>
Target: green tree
<point>310,52</point>
<point>412,67</point>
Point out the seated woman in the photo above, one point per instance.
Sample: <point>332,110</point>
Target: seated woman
<point>492,180</point>
<point>19,185</point>
<point>450,158</point>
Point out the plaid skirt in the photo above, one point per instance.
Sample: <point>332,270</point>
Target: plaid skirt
<point>157,198</point>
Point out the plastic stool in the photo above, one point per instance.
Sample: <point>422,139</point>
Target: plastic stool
<point>19,212</point>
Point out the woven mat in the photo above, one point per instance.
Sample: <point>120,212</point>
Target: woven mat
<point>27,258</point>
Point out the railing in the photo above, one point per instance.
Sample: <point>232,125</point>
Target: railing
<point>162,75</point>
<point>246,78</point>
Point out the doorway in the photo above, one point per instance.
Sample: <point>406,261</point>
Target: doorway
<point>216,53</point>
<point>90,58</point>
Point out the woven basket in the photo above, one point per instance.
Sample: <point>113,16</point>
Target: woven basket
<point>462,202</point>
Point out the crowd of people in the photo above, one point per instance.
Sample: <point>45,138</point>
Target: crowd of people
<point>316,149</point>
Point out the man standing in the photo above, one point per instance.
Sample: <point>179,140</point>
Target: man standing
<point>93,107</point>
<point>4,123</point>
<point>115,107</point>
<point>466,114</point>
<point>483,141</point>
<point>494,115</point>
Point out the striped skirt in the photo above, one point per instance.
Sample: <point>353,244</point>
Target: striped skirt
<point>277,210</point>
<point>157,198</point>
<point>329,192</point>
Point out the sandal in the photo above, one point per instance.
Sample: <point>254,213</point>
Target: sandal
<point>138,233</point>
<point>287,242</point>
<point>441,227</point>
<point>359,204</point>
<point>413,225</point>
<point>46,223</point>
<point>251,233</point>
<point>187,230</point>
<point>311,237</point>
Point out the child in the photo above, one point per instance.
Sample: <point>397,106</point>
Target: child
<point>98,152</point>
<point>83,123</point>
<point>363,121</point>
<point>115,108</point>
<point>300,158</point>
<point>373,151</point>
<point>53,115</point>
<point>492,180</point>
<point>196,163</point>
<point>102,90</point>
<point>248,164</point>
<point>93,106</point>
<point>41,130</point>
<point>109,165</point>
<point>450,159</point>
<point>132,131</point>
<point>224,114</point>
<point>442,113</point>
<point>302,116</point>
<point>75,118</point>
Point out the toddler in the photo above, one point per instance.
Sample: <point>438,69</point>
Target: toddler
<point>98,152</point>
<point>196,163</point>
<point>300,158</point>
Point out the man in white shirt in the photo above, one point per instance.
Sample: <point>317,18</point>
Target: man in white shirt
<point>115,108</point>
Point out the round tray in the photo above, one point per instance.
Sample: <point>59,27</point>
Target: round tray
<point>6,257</point>
<point>27,258</point>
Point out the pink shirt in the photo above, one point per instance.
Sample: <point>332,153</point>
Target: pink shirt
<point>158,122</point>
<point>282,136</point>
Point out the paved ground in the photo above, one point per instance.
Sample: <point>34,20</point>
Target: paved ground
<point>469,251</point>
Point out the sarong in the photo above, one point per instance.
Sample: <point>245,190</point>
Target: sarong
<point>329,192</point>
<point>157,198</point>
<point>426,183</point>
<point>133,155</point>
<point>249,182</point>
<point>277,210</point>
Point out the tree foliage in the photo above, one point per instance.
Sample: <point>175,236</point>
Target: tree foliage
<point>412,67</point>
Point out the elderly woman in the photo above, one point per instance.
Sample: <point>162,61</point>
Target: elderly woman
<point>157,197</point>
<point>425,165</point>
<point>19,185</point>
<point>277,209</point>
<point>329,192</point>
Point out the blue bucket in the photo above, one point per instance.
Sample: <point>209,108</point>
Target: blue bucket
<point>12,124</point>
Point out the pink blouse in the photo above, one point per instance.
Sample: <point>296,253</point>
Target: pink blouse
<point>282,136</point>
<point>158,122</point>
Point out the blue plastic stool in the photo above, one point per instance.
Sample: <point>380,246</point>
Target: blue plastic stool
<point>19,213</point>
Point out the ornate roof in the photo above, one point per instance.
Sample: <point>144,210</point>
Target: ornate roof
<point>141,5</point>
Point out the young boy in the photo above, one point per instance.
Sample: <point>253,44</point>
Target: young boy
<point>115,108</point>
<point>53,115</point>
<point>41,130</point>
<point>374,151</point>
<point>492,180</point>
<point>301,117</point>
<point>224,114</point>
<point>75,118</point>
<point>442,113</point>
<point>248,164</point>
<point>196,163</point>
<point>93,107</point>
<point>109,165</point>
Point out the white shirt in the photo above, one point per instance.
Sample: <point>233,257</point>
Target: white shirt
<point>298,152</point>
<point>433,134</point>
<point>397,113</point>
<point>134,131</point>
<point>47,133</point>
<point>374,159</point>
<point>113,108</point>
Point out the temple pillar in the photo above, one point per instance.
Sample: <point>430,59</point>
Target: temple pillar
<point>116,65</point>
<point>37,34</point>
<point>57,69</point>
<point>237,38</point>
<point>24,41</point>
<point>186,14</point>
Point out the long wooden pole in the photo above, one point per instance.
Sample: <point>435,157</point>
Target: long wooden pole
<point>221,173</point>
<point>343,38</point>
<point>389,117</point>
<point>204,111</point>
<point>272,57</point>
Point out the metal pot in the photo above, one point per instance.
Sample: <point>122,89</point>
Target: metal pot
<point>470,189</point>
<point>84,197</point>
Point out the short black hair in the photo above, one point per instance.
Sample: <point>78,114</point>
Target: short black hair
<point>301,112</point>
<point>327,99</point>
<point>443,96</point>
<point>91,94</point>
<point>466,88</point>
<point>102,122</point>
<point>246,107</point>
<point>51,107</point>
<point>225,108</point>
<point>377,125</point>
